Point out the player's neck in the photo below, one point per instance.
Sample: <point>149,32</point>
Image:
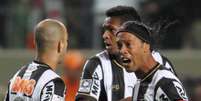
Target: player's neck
<point>149,64</point>
<point>47,59</point>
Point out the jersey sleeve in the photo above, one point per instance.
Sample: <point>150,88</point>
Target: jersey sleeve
<point>91,81</point>
<point>170,90</point>
<point>53,91</point>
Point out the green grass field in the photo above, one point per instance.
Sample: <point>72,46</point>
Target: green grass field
<point>187,63</point>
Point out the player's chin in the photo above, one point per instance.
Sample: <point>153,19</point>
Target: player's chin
<point>128,67</point>
<point>129,70</point>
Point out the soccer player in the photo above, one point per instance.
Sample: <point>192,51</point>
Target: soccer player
<point>104,78</point>
<point>155,82</point>
<point>37,80</point>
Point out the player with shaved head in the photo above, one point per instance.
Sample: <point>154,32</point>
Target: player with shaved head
<point>37,80</point>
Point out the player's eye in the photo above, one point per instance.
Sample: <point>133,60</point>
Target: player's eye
<point>119,44</point>
<point>128,45</point>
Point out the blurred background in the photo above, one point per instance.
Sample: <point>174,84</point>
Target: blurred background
<point>181,41</point>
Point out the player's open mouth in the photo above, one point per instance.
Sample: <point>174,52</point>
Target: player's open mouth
<point>107,45</point>
<point>125,60</point>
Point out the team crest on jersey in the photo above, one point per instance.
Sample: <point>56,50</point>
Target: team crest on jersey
<point>180,90</point>
<point>85,85</point>
<point>23,86</point>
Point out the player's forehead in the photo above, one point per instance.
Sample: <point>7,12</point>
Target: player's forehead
<point>126,37</point>
<point>112,22</point>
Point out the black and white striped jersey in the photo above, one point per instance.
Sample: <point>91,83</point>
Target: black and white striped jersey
<point>103,79</point>
<point>160,84</point>
<point>163,60</point>
<point>36,82</point>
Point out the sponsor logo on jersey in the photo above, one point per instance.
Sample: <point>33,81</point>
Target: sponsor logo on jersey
<point>96,84</point>
<point>23,86</point>
<point>115,87</point>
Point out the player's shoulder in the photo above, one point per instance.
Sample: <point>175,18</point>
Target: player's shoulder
<point>103,54</point>
<point>54,89</point>
<point>164,75</point>
<point>168,83</point>
<point>164,72</point>
<point>93,62</point>
<point>58,83</point>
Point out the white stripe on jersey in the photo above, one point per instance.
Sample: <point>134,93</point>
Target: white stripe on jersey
<point>97,77</point>
<point>157,57</point>
<point>32,67</point>
<point>48,92</point>
<point>156,78</point>
<point>44,79</point>
<point>107,71</point>
<point>129,81</point>
<point>129,78</point>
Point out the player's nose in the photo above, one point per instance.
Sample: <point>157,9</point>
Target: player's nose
<point>105,35</point>
<point>123,50</point>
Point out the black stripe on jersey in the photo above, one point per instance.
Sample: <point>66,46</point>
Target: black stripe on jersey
<point>88,72</point>
<point>8,91</point>
<point>103,94</point>
<point>37,74</point>
<point>117,82</point>
<point>166,60</point>
<point>59,87</point>
<point>85,97</point>
<point>144,84</point>
<point>169,90</point>
<point>90,67</point>
<point>59,84</point>
<point>22,71</point>
<point>20,74</point>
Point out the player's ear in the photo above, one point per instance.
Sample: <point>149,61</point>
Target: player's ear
<point>146,47</point>
<point>60,47</point>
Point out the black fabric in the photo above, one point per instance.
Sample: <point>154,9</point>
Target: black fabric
<point>145,83</point>
<point>87,74</point>
<point>117,83</point>
<point>117,79</point>
<point>136,28</point>
<point>22,71</point>
<point>42,64</point>
<point>7,95</point>
<point>38,73</point>
<point>90,67</point>
<point>59,87</point>
<point>103,94</point>
<point>166,60</point>
<point>168,87</point>
<point>83,97</point>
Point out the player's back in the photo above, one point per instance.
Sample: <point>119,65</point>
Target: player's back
<point>35,82</point>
